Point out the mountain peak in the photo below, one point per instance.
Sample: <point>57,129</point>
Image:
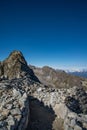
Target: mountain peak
<point>15,66</point>
<point>16,56</point>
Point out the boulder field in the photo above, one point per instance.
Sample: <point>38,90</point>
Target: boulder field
<point>28,104</point>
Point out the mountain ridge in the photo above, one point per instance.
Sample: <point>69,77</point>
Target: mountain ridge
<point>79,73</point>
<point>28,102</point>
<point>56,78</point>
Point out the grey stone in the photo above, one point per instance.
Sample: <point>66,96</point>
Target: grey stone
<point>16,111</point>
<point>10,120</point>
<point>9,106</point>
<point>16,93</point>
<point>77,127</point>
<point>73,123</point>
<point>66,127</point>
<point>67,121</point>
<point>61,110</point>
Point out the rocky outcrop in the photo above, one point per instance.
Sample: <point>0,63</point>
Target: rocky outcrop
<point>14,102</point>
<point>14,106</point>
<point>66,107</point>
<point>19,86</point>
<point>15,66</point>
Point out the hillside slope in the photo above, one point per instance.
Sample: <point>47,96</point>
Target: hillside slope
<point>50,77</point>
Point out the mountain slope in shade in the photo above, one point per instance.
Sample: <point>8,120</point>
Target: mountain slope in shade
<point>53,78</point>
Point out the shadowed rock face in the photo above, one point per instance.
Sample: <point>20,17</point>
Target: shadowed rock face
<point>15,66</point>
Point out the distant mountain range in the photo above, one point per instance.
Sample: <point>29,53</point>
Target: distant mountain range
<point>56,78</point>
<point>82,73</point>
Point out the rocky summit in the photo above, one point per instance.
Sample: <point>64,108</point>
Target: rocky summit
<point>27,102</point>
<point>15,66</point>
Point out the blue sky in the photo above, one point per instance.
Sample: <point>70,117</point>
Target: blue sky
<point>48,32</point>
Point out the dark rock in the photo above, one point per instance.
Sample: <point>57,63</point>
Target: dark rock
<point>72,104</point>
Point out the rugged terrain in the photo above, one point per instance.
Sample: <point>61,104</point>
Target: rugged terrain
<point>56,78</point>
<point>40,99</point>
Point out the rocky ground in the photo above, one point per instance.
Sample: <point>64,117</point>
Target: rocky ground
<point>25,103</point>
<point>43,117</point>
<point>66,110</point>
<point>14,106</point>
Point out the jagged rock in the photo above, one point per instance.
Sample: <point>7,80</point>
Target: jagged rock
<point>15,66</point>
<point>19,85</point>
<point>11,113</point>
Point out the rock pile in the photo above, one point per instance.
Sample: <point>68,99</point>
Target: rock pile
<point>14,103</point>
<point>14,106</point>
<point>18,83</point>
<point>81,95</point>
<point>65,106</point>
<point>76,118</point>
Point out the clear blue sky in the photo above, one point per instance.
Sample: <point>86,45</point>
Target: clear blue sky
<point>48,32</point>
